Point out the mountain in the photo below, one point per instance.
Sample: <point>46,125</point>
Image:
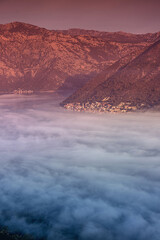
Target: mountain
<point>120,37</point>
<point>34,58</point>
<point>130,86</point>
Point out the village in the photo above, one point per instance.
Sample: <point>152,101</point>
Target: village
<point>22,91</point>
<point>103,107</point>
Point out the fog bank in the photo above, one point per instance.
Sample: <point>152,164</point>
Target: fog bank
<point>68,176</point>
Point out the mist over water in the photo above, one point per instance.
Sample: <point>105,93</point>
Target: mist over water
<point>78,176</point>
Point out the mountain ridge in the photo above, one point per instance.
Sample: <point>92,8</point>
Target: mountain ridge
<point>142,73</point>
<point>38,59</point>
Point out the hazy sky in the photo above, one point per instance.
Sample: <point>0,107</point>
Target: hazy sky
<point>139,16</point>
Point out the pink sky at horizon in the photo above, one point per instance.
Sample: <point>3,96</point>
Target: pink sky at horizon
<point>117,15</point>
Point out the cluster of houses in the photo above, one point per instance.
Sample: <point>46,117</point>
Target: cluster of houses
<point>102,107</point>
<point>21,91</point>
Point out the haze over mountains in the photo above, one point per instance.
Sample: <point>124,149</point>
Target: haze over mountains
<point>98,64</point>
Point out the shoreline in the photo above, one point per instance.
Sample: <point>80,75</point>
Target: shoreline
<point>107,107</point>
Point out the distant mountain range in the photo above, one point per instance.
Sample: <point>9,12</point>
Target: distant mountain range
<point>118,66</point>
<point>120,37</point>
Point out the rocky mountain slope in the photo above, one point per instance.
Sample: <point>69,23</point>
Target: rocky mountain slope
<point>130,86</point>
<point>33,58</point>
<point>120,36</point>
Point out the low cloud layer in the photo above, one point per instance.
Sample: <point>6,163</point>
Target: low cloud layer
<point>69,176</point>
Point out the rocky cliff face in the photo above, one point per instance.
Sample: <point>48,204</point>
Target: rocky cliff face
<point>34,58</point>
